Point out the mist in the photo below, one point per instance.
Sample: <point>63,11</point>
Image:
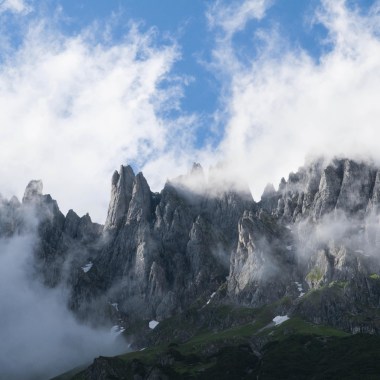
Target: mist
<point>40,338</point>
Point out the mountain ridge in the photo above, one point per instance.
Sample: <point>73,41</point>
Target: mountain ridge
<point>308,250</point>
<point>158,252</point>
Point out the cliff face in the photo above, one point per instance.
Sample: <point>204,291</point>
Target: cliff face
<point>331,211</point>
<point>315,241</point>
<point>162,251</point>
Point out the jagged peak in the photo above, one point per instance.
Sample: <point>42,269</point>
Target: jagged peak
<point>123,182</point>
<point>71,214</point>
<point>269,191</point>
<point>326,185</point>
<point>33,191</point>
<point>140,183</point>
<point>194,181</point>
<point>14,201</point>
<point>196,168</point>
<point>115,178</point>
<point>126,171</point>
<point>282,184</point>
<point>86,218</point>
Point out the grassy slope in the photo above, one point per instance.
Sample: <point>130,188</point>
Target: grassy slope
<point>204,341</point>
<point>219,340</point>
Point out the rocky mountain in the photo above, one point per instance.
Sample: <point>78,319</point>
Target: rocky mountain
<point>309,250</point>
<point>161,251</point>
<point>158,253</point>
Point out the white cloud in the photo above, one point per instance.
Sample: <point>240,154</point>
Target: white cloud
<point>285,106</point>
<point>15,6</point>
<point>75,108</point>
<point>233,18</point>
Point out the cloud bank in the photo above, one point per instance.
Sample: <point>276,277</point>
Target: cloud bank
<point>286,105</point>
<point>39,336</point>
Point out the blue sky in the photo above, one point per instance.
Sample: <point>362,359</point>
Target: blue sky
<point>185,21</point>
<point>260,85</point>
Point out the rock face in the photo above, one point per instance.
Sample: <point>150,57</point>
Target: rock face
<point>315,241</point>
<point>331,210</point>
<point>262,266</point>
<point>162,251</point>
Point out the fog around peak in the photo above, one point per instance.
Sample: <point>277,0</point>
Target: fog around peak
<point>40,337</point>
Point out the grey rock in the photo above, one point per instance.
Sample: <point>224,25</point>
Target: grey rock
<point>167,249</point>
<point>356,187</point>
<point>33,191</point>
<point>261,268</point>
<point>161,253</point>
<point>374,202</point>
<point>121,195</point>
<point>328,192</point>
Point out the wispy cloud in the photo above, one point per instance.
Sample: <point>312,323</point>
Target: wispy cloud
<point>233,17</point>
<point>15,6</point>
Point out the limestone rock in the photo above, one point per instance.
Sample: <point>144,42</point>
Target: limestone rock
<point>160,253</point>
<point>33,191</point>
<point>261,268</point>
<point>121,195</point>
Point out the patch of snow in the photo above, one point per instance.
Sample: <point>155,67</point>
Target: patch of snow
<point>301,294</point>
<point>87,267</point>
<point>117,330</point>
<point>143,349</point>
<point>212,295</point>
<point>289,228</point>
<point>280,319</point>
<point>153,324</point>
<point>359,251</point>
<point>289,247</point>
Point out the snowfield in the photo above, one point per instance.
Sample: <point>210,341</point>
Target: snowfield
<point>153,324</point>
<point>87,267</point>
<point>280,319</point>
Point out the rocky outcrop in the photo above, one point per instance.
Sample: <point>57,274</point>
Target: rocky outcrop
<point>121,195</point>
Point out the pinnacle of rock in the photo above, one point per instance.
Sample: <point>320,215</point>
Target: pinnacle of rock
<point>33,191</point>
<point>121,195</point>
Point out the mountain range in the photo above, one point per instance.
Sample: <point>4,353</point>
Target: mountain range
<point>209,283</point>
